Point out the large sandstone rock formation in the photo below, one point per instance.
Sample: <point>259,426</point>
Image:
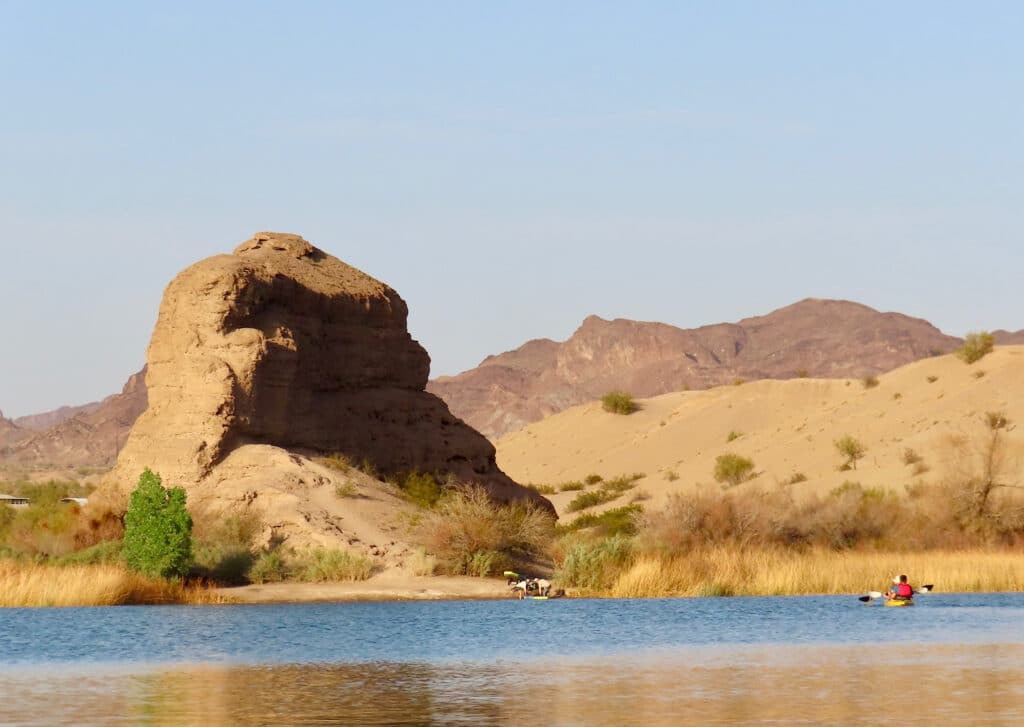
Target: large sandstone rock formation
<point>264,358</point>
<point>818,338</point>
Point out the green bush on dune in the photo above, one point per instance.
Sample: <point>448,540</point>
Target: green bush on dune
<point>976,346</point>
<point>619,402</point>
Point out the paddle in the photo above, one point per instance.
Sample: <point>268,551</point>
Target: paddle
<point>879,594</point>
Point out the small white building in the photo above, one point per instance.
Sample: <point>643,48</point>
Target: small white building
<point>13,501</point>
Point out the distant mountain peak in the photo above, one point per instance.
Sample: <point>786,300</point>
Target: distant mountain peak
<point>812,337</point>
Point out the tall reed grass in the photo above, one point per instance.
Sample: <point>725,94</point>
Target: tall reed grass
<point>727,571</point>
<point>32,584</point>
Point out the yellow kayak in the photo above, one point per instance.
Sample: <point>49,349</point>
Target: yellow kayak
<point>898,604</point>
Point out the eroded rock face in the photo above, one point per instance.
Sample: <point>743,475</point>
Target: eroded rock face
<point>281,344</point>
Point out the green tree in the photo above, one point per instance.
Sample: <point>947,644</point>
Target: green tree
<point>976,345</point>
<point>732,469</point>
<point>157,529</point>
<point>850,448</point>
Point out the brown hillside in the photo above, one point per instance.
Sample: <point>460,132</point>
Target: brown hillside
<point>91,437</point>
<point>934,406</point>
<point>9,433</point>
<point>817,338</point>
<point>1009,338</point>
<point>50,419</point>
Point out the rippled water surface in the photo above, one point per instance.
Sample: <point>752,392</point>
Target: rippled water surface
<point>955,659</point>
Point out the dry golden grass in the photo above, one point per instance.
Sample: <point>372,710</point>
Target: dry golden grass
<point>769,572</point>
<point>27,585</point>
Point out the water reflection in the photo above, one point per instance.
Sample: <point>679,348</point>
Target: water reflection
<point>921,684</point>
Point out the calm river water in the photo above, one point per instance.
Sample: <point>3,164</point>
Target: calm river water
<point>953,659</point>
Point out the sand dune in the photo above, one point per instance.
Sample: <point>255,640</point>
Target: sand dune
<point>786,427</point>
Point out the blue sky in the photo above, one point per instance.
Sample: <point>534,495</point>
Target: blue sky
<point>509,168</point>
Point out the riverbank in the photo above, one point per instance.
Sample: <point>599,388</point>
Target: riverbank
<point>387,586</point>
<point>34,585</point>
<point>727,571</point>
<point>707,572</point>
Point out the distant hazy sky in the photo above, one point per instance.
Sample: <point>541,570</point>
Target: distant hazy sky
<point>508,167</point>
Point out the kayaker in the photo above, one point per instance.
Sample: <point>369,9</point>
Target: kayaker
<point>900,590</point>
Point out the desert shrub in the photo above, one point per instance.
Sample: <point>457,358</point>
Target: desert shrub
<point>96,526</point>
<point>688,520</point>
<point>586,500</point>
<point>619,484</point>
<point>796,477</point>
<point>738,382</point>
<point>111,551</point>
<point>338,462</point>
<point>640,495</point>
<point>45,528</point>
<point>851,449</point>
<point>671,475</point>
<point>157,529</point>
<point>594,564</point>
<point>592,479</point>
<point>618,520</point>
<point>618,402</point>
<point>931,379</point>
<point>897,396</point>
<point>802,373</point>
<point>848,517</point>
<point>346,489</point>
<point>976,346</point>
<point>570,486</point>
<point>268,567</point>
<point>421,488</point>
<point>979,374</point>
<point>996,420</point>
<point>920,468</point>
<point>7,516</point>
<point>320,565</point>
<point>733,436</point>
<point>223,545</point>
<point>543,489</point>
<point>105,552</point>
<point>422,563</point>
<point>732,469</point>
<point>910,456</point>
<point>984,483</point>
<point>369,468</point>
<point>468,531</point>
<point>869,381</point>
<point>484,562</point>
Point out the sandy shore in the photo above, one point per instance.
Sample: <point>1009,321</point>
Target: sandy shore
<point>382,587</point>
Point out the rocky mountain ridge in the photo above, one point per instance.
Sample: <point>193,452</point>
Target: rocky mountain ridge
<point>813,337</point>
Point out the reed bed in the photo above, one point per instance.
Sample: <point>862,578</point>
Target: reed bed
<point>30,584</point>
<point>727,571</point>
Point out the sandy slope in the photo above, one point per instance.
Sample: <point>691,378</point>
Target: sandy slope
<point>786,426</point>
